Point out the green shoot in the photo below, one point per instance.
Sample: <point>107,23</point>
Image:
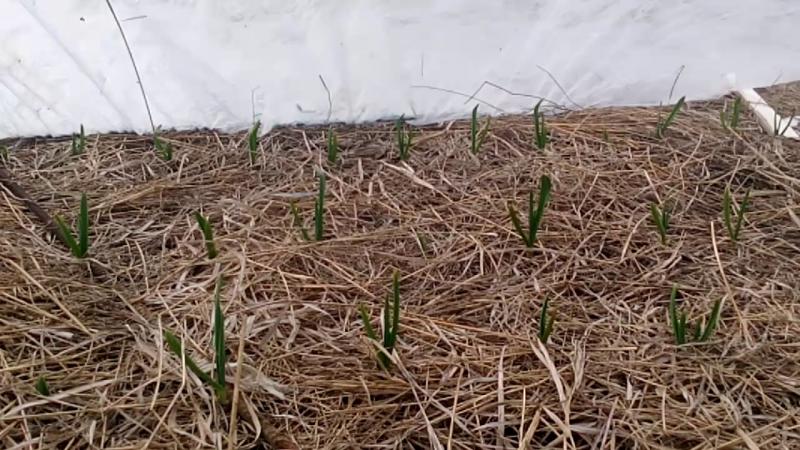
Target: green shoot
<point>403,138</point>
<point>3,153</point>
<point>776,125</point>
<point>731,121</point>
<point>729,210</point>
<point>42,387</point>
<point>661,219</point>
<point>80,247</point>
<point>219,342</point>
<point>176,346</point>
<point>546,321</point>
<point>535,215</point>
<point>79,142</point>
<point>163,148</point>
<point>678,321</point>
<point>208,235</point>
<point>252,141</point>
<point>606,138</point>
<point>298,222</point>
<point>422,242</point>
<point>540,130</point>
<point>711,326</point>
<point>319,214</point>
<point>333,146</point>
<point>391,324</point>
<point>662,126</point>
<point>319,210</point>
<point>217,383</point>
<point>478,134</point>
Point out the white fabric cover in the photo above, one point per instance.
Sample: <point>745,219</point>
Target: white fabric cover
<point>208,63</point>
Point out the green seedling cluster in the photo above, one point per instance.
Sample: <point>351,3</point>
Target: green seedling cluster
<point>333,147</point>
<point>163,148</point>
<point>660,218</point>
<point>546,322</point>
<point>391,324</point>
<point>79,142</point>
<point>541,137</point>
<point>663,125</point>
<point>478,134</point>
<point>404,137</point>
<point>734,228</point>
<point>208,234</point>
<point>319,213</point>
<point>252,141</point>
<point>42,387</point>
<point>535,213</point>
<point>78,247</point>
<point>730,120</point>
<point>216,382</point>
<point>680,327</point>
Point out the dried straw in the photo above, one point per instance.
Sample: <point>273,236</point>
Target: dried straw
<point>469,372</point>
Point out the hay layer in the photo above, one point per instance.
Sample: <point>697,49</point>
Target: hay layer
<point>470,373</point>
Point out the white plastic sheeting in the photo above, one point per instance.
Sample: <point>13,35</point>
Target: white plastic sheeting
<point>213,63</point>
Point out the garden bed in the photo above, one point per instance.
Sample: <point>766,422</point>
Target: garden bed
<point>469,368</point>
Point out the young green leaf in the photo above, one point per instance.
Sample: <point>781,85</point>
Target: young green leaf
<point>83,228</point>
<point>477,134</point>
<point>539,128</point>
<point>741,212</point>
<point>382,359</point>
<point>535,219</point>
<point>403,138</point>
<point>79,142</point>
<point>391,323</point>
<point>319,210</point>
<point>661,220</point>
<point>367,325</point>
<point>42,387</point>
<point>252,141</point>
<point>535,214</point>
<point>731,121</point>
<point>662,126</point>
<point>713,320</point>
<point>422,241</point>
<point>219,337</point>
<point>678,320</point>
<point>164,148</point>
<point>66,232</point>
<point>546,322</point>
<point>78,247</point>
<point>512,214</point>
<point>778,128</point>
<point>333,146</point>
<point>298,222</point>
<point>175,345</point>
<point>395,319</point>
<point>208,235</point>
<point>728,211</point>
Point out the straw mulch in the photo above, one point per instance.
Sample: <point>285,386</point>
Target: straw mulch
<point>469,372</point>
